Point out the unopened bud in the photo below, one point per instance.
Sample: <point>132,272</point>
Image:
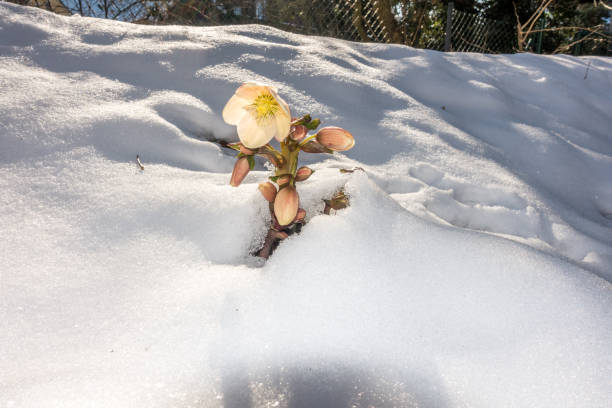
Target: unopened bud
<point>241,169</point>
<point>303,173</point>
<point>279,234</point>
<point>315,147</point>
<point>301,214</point>
<point>286,205</point>
<point>268,191</point>
<point>335,138</point>
<point>284,179</point>
<point>298,132</point>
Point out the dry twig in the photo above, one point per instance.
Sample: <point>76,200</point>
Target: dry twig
<point>139,162</point>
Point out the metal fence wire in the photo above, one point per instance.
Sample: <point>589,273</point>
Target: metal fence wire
<point>471,32</point>
<point>355,20</point>
<point>361,20</point>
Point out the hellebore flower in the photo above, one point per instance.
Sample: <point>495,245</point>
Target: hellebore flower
<point>335,138</point>
<point>241,169</point>
<point>286,205</point>
<point>259,113</point>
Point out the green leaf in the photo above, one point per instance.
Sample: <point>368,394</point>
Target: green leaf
<point>301,121</point>
<point>251,162</point>
<point>313,124</point>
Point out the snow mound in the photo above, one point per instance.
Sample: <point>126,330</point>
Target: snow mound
<point>473,267</point>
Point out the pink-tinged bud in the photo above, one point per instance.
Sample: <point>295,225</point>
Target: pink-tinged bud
<point>303,173</point>
<point>286,205</point>
<point>241,169</point>
<point>282,180</point>
<point>279,234</point>
<point>335,138</point>
<point>268,190</point>
<point>301,214</point>
<point>315,147</point>
<point>298,132</point>
<point>246,150</point>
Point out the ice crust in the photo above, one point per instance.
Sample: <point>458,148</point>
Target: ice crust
<point>472,268</point>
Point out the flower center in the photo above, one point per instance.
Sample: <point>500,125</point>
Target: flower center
<point>265,106</point>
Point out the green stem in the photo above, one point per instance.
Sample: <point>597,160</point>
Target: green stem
<point>308,139</point>
<point>290,153</point>
<point>272,149</point>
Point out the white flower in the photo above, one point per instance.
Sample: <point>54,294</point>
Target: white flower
<point>259,113</point>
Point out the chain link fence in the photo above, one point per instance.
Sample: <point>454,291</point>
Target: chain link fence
<point>362,20</point>
<point>471,32</point>
<point>420,24</point>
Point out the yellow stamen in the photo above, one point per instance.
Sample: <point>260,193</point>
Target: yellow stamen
<point>265,106</point>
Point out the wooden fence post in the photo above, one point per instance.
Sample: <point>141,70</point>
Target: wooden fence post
<point>449,27</point>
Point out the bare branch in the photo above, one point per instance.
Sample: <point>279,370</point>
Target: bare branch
<point>126,8</point>
<point>536,15</point>
<point>139,162</point>
<point>563,48</point>
<point>604,5</point>
<point>519,30</point>
<point>595,30</point>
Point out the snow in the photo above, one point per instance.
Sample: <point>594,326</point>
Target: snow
<point>472,268</point>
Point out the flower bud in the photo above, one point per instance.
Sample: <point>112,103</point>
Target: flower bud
<point>286,205</point>
<point>268,191</point>
<point>282,180</point>
<point>298,132</point>
<point>241,169</point>
<point>279,234</point>
<point>303,173</point>
<point>301,214</point>
<point>335,138</point>
<point>315,147</point>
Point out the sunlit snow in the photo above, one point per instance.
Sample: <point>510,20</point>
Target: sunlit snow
<point>472,268</point>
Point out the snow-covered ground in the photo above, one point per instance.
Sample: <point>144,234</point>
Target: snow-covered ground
<point>473,267</point>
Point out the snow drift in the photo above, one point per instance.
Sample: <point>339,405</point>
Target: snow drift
<point>472,268</point>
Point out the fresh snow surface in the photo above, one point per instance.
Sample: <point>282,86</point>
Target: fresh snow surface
<point>473,267</point>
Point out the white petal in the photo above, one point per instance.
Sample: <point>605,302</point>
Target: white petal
<point>282,127</point>
<point>234,109</point>
<point>254,134</point>
<point>250,91</point>
<point>281,102</point>
<point>268,87</point>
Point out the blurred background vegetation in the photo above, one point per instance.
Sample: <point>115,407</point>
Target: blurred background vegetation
<point>579,27</point>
